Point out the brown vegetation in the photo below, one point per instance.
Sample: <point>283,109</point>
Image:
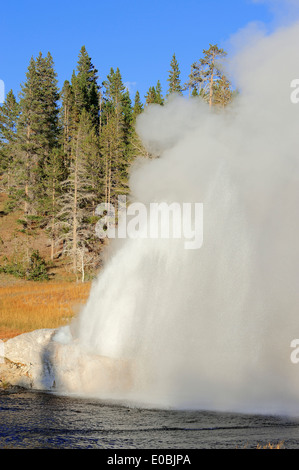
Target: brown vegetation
<point>27,306</point>
<point>279,445</point>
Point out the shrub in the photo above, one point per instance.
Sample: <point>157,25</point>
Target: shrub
<point>37,270</point>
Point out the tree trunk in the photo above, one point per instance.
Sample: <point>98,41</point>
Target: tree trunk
<point>53,220</point>
<point>212,81</point>
<point>27,174</point>
<point>75,208</point>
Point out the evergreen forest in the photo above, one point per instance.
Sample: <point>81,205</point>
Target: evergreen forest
<point>64,151</point>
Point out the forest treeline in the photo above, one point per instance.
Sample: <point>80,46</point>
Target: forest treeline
<point>62,152</point>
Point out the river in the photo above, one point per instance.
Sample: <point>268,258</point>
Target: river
<point>38,420</point>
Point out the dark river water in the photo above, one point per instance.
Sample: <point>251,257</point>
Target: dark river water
<point>37,420</point>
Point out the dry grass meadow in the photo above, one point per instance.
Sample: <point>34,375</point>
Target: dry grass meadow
<point>27,306</point>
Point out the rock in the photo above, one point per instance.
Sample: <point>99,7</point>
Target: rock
<point>50,359</point>
<point>26,362</point>
<point>14,374</point>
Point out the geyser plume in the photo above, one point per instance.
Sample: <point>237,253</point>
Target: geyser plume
<point>212,327</point>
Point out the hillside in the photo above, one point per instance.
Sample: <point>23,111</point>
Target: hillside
<point>28,305</point>
<point>15,246</point>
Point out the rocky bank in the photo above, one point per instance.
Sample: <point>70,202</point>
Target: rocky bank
<point>38,360</point>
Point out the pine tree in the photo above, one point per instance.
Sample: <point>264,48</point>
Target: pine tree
<point>79,192</point>
<point>114,141</point>
<point>49,96</point>
<point>94,165</point>
<point>159,96</point>
<point>194,93</point>
<point>86,86</point>
<point>137,147</point>
<point>83,185</point>
<point>66,118</point>
<point>80,95</point>
<point>174,77</point>
<point>223,92</point>
<point>27,123</point>
<point>54,171</point>
<point>154,95</point>
<point>38,130</point>
<point>114,90</point>
<point>138,106</point>
<point>150,96</point>
<point>127,117</point>
<point>206,73</point>
<point>9,114</point>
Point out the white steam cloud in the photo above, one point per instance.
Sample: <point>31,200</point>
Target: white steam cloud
<point>211,328</point>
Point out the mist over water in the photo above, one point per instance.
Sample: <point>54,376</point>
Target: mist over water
<point>211,328</point>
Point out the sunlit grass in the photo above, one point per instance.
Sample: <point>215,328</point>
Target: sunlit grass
<point>279,445</point>
<point>32,305</point>
<point>269,445</point>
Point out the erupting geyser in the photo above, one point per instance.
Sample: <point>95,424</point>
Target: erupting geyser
<point>212,327</point>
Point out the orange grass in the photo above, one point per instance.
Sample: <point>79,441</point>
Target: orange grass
<point>279,445</point>
<point>31,306</point>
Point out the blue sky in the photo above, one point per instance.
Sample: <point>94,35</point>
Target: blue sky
<point>139,37</point>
